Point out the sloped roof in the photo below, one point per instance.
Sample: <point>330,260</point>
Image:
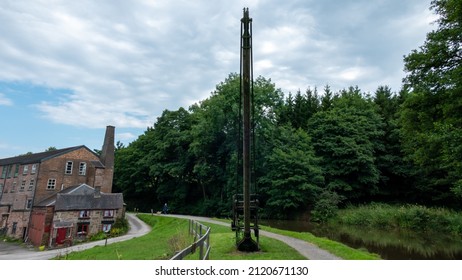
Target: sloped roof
<point>39,157</point>
<point>78,189</point>
<point>66,202</point>
<point>82,197</point>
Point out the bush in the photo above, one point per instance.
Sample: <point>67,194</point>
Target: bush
<point>98,236</point>
<point>326,206</point>
<point>119,227</point>
<point>413,217</point>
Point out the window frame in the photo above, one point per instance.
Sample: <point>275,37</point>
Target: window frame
<point>108,211</point>
<point>82,168</point>
<point>31,184</point>
<point>25,169</point>
<point>69,167</point>
<point>51,184</point>
<point>16,170</point>
<point>82,228</point>
<point>29,203</point>
<point>84,214</point>
<point>23,185</point>
<point>4,172</point>
<point>106,227</point>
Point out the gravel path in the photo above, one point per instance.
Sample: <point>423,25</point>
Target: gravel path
<point>310,251</point>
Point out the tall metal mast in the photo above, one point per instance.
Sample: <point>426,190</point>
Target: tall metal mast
<point>246,244</point>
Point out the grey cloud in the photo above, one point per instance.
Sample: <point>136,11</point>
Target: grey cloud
<point>128,61</point>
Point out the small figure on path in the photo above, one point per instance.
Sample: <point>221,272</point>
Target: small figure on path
<point>165,209</point>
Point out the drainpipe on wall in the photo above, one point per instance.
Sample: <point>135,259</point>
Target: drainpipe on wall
<point>37,172</point>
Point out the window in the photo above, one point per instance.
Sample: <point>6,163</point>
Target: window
<point>16,170</point>
<point>23,185</point>
<point>34,169</point>
<point>29,204</point>
<point>13,230</point>
<point>10,170</point>
<point>4,171</point>
<point>51,184</point>
<point>25,169</point>
<point>82,168</point>
<point>31,184</point>
<point>107,227</point>
<point>84,214</point>
<point>82,229</point>
<point>69,167</point>
<point>1,187</point>
<point>108,213</point>
<point>14,187</point>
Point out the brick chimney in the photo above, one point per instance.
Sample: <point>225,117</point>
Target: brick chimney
<point>107,158</point>
<point>97,193</point>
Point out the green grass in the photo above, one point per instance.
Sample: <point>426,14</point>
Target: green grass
<point>223,242</point>
<point>336,248</point>
<point>157,245</point>
<point>341,250</point>
<point>412,217</point>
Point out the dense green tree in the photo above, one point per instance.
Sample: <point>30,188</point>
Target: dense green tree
<point>346,138</point>
<point>168,158</point>
<point>294,178</point>
<point>326,99</point>
<point>131,173</point>
<point>431,116</point>
<point>395,172</point>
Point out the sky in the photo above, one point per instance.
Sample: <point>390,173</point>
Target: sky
<point>70,68</point>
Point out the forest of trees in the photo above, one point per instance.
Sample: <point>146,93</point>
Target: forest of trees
<point>314,150</point>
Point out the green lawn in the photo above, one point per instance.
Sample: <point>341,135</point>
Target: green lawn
<point>170,234</point>
<point>167,233</point>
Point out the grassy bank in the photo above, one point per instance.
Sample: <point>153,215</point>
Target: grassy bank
<point>412,217</point>
<point>159,244</point>
<point>170,234</point>
<point>336,248</point>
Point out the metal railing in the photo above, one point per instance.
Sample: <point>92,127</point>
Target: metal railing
<point>203,242</point>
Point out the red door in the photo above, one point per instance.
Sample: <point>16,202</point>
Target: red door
<point>61,235</point>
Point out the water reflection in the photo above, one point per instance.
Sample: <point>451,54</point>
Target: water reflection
<point>391,245</point>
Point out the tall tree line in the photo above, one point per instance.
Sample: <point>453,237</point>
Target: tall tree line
<point>314,151</point>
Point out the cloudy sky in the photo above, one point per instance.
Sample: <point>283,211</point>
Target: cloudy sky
<point>69,68</point>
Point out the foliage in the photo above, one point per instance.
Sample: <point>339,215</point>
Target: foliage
<point>388,147</point>
<point>293,178</point>
<point>431,116</point>
<point>157,245</point>
<point>346,138</point>
<point>326,206</point>
<point>336,248</point>
<point>414,217</point>
<point>119,227</point>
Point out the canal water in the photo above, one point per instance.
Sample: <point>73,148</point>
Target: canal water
<point>390,245</point>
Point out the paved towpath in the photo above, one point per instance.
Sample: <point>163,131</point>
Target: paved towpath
<point>139,228</point>
<point>309,250</point>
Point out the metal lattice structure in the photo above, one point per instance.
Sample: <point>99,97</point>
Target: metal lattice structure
<point>245,206</point>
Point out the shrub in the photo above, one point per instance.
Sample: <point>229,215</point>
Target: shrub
<point>414,217</point>
<point>326,206</point>
<point>119,227</point>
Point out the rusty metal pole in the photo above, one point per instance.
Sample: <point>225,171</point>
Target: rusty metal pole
<point>246,244</point>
